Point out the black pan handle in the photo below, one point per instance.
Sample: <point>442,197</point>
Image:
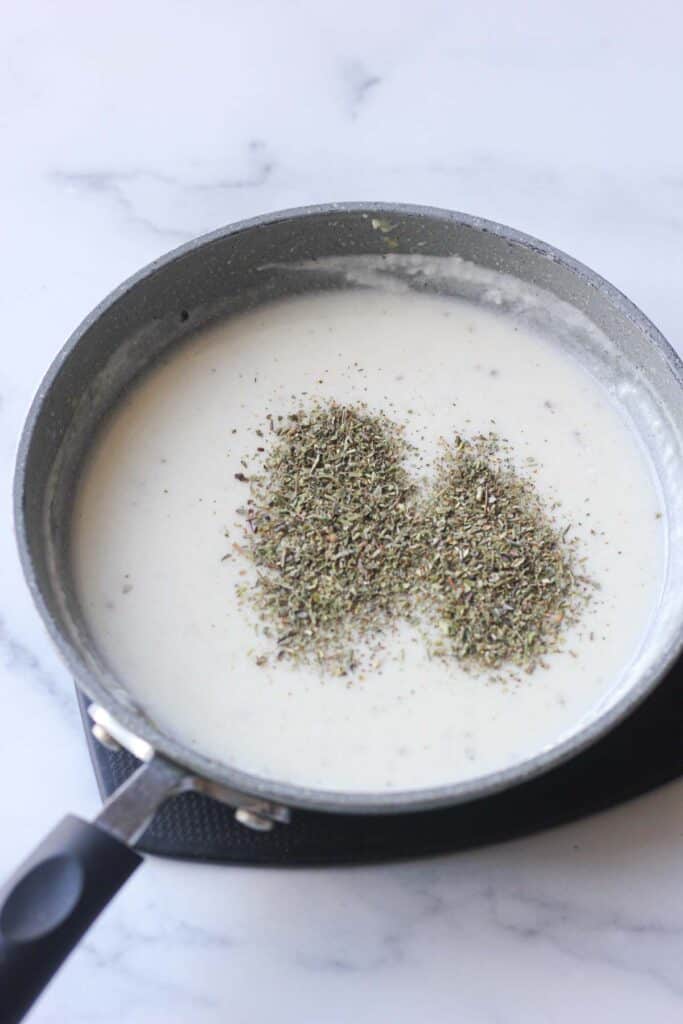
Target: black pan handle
<point>49,904</point>
<point>54,897</point>
<point>58,892</point>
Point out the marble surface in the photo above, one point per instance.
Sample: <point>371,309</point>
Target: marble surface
<point>129,128</point>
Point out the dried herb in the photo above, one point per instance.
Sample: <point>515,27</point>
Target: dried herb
<point>344,546</point>
<point>499,576</point>
<point>329,528</point>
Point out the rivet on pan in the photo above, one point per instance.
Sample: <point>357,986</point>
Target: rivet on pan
<point>253,820</point>
<point>103,737</point>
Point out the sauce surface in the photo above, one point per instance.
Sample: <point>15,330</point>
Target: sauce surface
<point>159,492</point>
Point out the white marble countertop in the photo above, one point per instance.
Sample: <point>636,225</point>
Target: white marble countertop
<point>129,128</point>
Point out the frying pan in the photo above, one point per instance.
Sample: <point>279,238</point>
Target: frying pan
<point>53,898</point>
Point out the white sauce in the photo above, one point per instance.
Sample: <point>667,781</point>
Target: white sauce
<point>160,490</point>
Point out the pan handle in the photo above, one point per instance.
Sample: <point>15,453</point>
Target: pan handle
<point>51,902</point>
<point>54,897</point>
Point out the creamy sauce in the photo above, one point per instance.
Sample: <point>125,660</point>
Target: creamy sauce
<point>159,492</point>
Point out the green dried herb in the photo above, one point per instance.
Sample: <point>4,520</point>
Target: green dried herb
<point>499,577</point>
<point>343,547</point>
<point>329,528</point>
